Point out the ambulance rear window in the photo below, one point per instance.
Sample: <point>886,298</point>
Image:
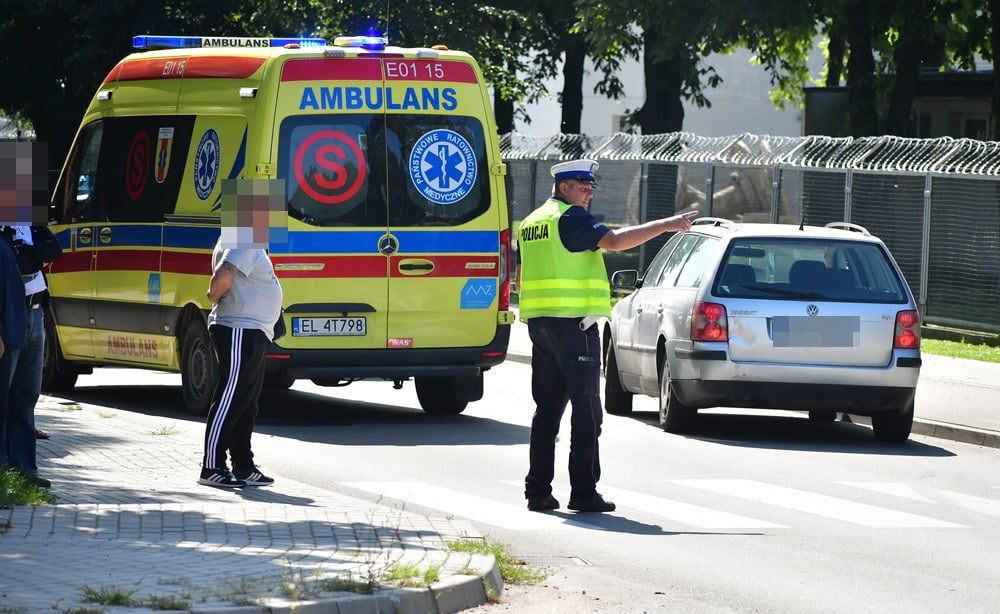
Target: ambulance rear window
<point>384,170</point>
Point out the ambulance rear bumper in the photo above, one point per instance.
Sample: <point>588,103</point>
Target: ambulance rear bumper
<point>333,365</point>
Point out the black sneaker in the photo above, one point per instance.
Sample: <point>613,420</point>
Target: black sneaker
<point>594,503</point>
<point>220,478</point>
<point>540,504</point>
<point>253,477</point>
<point>38,481</point>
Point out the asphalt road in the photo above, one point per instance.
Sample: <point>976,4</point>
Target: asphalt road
<point>751,513</point>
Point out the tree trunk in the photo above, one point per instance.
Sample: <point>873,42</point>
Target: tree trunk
<point>663,109</point>
<point>575,49</point>
<point>861,103</point>
<point>835,59</point>
<point>907,55</point>
<point>995,49</point>
<point>503,112</point>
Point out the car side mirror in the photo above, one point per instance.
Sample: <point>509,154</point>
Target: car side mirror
<point>626,280</point>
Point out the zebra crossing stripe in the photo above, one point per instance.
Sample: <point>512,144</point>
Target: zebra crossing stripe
<point>982,505</point>
<point>820,505</point>
<point>693,515</point>
<point>481,509</point>
<point>895,489</point>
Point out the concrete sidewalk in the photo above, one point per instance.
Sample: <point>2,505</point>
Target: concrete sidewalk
<point>130,518</point>
<point>961,420</point>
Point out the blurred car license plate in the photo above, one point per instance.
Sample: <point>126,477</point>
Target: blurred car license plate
<point>336,327</point>
<point>816,331</point>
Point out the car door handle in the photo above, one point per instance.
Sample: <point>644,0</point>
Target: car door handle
<point>415,266</point>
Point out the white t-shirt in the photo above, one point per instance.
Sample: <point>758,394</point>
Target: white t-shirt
<point>254,299</point>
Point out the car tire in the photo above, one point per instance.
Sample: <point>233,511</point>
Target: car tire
<point>675,417</point>
<point>278,380</point>
<point>441,396</point>
<point>57,375</point>
<point>819,415</point>
<point>199,368</point>
<point>617,400</point>
<point>893,426</point>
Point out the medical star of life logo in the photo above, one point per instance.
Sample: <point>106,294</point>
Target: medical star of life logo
<point>443,166</point>
<point>206,164</point>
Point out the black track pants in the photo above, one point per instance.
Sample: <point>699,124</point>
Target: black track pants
<point>234,402</point>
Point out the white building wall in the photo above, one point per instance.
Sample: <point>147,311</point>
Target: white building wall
<point>740,104</point>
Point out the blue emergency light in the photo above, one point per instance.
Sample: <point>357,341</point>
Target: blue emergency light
<point>148,41</point>
<point>371,43</point>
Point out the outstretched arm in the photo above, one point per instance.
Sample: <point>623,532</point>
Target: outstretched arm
<point>620,239</point>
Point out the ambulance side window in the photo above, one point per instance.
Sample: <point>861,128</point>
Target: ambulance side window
<point>443,170</point>
<point>76,195</point>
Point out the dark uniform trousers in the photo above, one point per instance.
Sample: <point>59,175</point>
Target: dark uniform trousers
<point>565,366</point>
<point>234,401</point>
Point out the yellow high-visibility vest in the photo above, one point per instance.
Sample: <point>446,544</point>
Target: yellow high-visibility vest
<point>554,280</point>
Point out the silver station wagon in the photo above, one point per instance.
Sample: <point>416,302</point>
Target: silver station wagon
<point>769,316</point>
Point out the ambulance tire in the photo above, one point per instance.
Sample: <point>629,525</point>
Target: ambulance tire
<point>443,396</point>
<point>57,374</point>
<point>199,368</point>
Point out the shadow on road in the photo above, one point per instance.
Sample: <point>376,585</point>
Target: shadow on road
<point>783,432</point>
<point>308,416</point>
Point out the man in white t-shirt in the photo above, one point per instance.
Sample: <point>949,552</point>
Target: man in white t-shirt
<point>246,299</point>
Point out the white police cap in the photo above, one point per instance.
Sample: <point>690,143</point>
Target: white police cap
<point>580,170</point>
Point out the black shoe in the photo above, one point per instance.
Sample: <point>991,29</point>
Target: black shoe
<point>252,477</point>
<point>40,482</point>
<point>220,478</point>
<point>40,434</point>
<point>540,504</point>
<point>594,503</point>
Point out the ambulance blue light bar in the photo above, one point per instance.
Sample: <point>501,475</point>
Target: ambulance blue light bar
<point>372,43</point>
<point>148,41</point>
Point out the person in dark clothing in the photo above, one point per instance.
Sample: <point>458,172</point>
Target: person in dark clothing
<point>34,247</point>
<point>13,328</point>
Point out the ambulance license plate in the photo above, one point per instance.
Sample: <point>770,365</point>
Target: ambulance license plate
<point>336,327</point>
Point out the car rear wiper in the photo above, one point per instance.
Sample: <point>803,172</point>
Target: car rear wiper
<point>768,289</point>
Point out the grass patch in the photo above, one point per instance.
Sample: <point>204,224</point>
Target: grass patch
<point>108,595</point>
<point>410,576</point>
<point>956,349</point>
<point>165,431</point>
<point>348,584</point>
<point>165,603</point>
<point>72,407</point>
<point>512,569</point>
<point>15,489</point>
<point>82,610</point>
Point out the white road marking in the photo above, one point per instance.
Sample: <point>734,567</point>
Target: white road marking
<point>896,489</point>
<point>481,509</point>
<point>694,515</point>
<point>971,502</point>
<point>820,505</point>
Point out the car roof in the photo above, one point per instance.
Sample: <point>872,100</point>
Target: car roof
<point>729,229</point>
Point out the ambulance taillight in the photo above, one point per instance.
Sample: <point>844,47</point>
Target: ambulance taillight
<point>504,299</point>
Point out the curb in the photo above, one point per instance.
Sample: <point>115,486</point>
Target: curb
<point>921,426</point>
<point>452,594</point>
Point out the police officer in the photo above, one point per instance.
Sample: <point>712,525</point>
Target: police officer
<point>564,290</point>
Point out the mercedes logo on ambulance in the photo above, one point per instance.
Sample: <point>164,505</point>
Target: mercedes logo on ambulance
<point>388,245</point>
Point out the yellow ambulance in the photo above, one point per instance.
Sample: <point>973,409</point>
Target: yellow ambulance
<point>397,260</point>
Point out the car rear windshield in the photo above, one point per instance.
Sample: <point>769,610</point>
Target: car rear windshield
<point>379,170</point>
<point>812,269</point>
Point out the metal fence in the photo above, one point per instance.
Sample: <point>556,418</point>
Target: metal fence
<point>935,202</point>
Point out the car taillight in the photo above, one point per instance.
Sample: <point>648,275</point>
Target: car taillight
<point>907,335</point>
<point>708,323</point>
<point>504,299</point>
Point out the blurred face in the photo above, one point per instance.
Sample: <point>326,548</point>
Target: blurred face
<point>576,192</point>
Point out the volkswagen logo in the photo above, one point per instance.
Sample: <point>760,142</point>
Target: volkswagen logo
<point>388,245</point>
<point>812,310</point>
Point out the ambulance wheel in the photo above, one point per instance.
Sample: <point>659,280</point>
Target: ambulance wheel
<point>199,369</point>
<point>441,396</point>
<point>617,400</point>
<point>278,380</point>
<point>57,376</point>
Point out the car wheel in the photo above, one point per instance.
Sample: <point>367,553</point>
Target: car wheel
<point>893,427</point>
<point>278,380</point>
<point>817,415</point>
<point>617,400</point>
<point>199,368</point>
<point>441,396</point>
<point>675,417</point>
<point>57,376</point>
